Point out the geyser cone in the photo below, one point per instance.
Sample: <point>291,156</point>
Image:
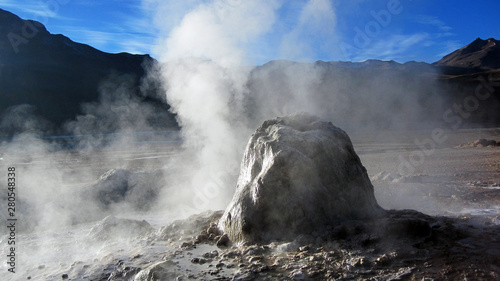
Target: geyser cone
<point>299,174</point>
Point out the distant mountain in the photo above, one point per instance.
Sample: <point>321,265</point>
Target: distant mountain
<point>368,95</point>
<point>85,90</point>
<point>478,56</point>
<point>387,94</point>
<point>55,75</point>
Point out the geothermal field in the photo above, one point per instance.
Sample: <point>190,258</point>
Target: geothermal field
<point>260,140</point>
<point>454,190</point>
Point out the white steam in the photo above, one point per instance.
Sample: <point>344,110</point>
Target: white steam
<point>206,86</point>
<point>206,50</point>
<point>220,100</point>
<point>219,31</point>
<point>316,23</point>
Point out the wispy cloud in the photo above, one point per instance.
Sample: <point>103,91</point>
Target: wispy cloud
<point>131,34</point>
<point>136,32</point>
<point>396,47</point>
<point>433,40</point>
<point>418,46</point>
<point>137,46</point>
<point>113,41</point>
<point>93,37</point>
<point>128,29</point>
<point>434,21</point>
<point>315,26</point>
<point>35,10</point>
<point>132,25</point>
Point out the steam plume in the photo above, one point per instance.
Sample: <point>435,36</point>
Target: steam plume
<point>206,86</point>
<point>219,100</point>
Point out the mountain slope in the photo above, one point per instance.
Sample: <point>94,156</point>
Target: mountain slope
<point>478,56</point>
<point>56,75</point>
<point>48,75</point>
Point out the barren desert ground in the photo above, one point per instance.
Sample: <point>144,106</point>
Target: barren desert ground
<point>452,176</point>
<point>461,183</point>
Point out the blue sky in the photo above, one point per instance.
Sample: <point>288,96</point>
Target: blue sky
<point>304,30</point>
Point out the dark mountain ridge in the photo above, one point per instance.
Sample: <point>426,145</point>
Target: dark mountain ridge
<point>378,94</point>
<point>56,75</point>
<point>478,56</point>
<point>50,76</point>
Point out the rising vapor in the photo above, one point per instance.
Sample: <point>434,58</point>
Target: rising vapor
<point>219,98</point>
<point>203,59</point>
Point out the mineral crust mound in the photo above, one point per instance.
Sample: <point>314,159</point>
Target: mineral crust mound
<point>299,175</point>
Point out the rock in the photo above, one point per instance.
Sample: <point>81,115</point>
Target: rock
<point>480,143</point>
<point>231,254</point>
<point>213,229</point>
<point>214,271</point>
<point>304,248</point>
<point>139,189</point>
<point>123,273</point>
<point>112,227</point>
<point>299,174</point>
<point>287,247</point>
<point>297,275</point>
<point>202,237</point>
<point>163,270</point>
<point>188,245</point>
<point>244,276</point>
<point>223,241</point>
<point>484,143</point>
<point>112,186</point>
<point>254,250</point>
<point>198,260</point>
<point>254,259</point>
<point>194,224</point>
<point>210,255</point>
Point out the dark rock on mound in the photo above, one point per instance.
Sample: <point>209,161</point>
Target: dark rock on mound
<point>299,174</point>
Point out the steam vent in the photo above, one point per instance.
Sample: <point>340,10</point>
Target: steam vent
<point>299,174</point>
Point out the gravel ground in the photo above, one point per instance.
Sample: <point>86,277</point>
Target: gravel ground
<point>454,234</point>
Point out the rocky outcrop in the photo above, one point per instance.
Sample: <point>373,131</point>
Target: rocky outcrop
<point>299,175</point>
<point>118,186</point>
